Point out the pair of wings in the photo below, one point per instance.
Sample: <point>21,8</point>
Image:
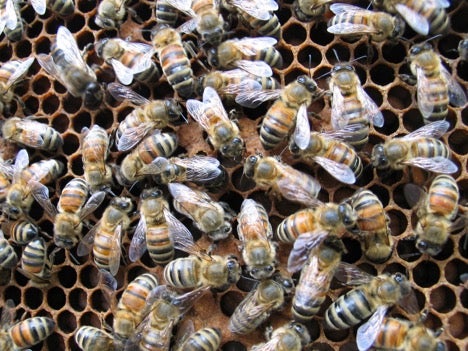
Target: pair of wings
<point>32,132</point>
<point>18,67</point>
<point>95,151</point>
<point>415,16</point>
<point>251,217</point>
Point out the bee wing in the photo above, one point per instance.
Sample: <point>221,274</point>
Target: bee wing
<point>200,168</point>
<point>370,107</point>
<point>246,83</point>
<point>367,333</point>
<point>260,10</point>
<point>254,96</point>
<point>250,46</point>
<point>139,48</point>
<point>253,313</point>
<point>418,22</point>
<point>351,28</point>
<point>123,73</point>
<point>338,118</point>
<point>437,164</point>
<point>138,245</point>
<point>432,130</point>
<point>197,110</point>
<point>86,243</point>
<point>456,93</point>
<point>350,274</point>
<point>301,133</point>
<point>8,313</point>
<point>295,191</point>
<point>302,246</point>
<point>21,162</point>
<point>39,6</point>
<point>67,43</point>
<point>270,345</point>
<point>439,3</point>
<point>48,64</point>
<point>257,68</point>
<point>344,133</point>
<point>424,93</point>
<point>185,301</point>
<point>31,132</point>
<point>409,302</point>
<point>121,92</point>
<point>114,259</point>
<point>19,71</point>
<point>414,194</point>
<point>340,171</point>
<point>133,135</point>
<point>212,100</point>
<point>93,202</point>
<point>41,193</point>
<point>8,16</point>
<point>340,8</point>
<point>180,235</point>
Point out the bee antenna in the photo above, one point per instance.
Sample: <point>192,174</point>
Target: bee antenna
<point>323,75</point>
<point>310,65</point>
<point>336,55</point>
<point>358,58</point>
<point>284,149</point>
<point>183,117</point>
<point>431,38</point>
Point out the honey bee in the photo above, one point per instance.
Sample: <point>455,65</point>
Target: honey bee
<point>223,133</point>
<point>128,59</point>
<point>268,296</point>
<point>174,60</point>
<point>292,336</point>
<point>149,115</point>
<point>131,307</point>
<point>419,148</point>
<point>30,133</point>
<point>106,235</point>
<point>90,338</point>
<point>8,16</point>
<point>352,20</point>
<point>8,259</point>
<point>73,207</point>
<point>255,234</point>
<point>21,231</point>
<point>257,15</point>
<point>136,165</point>
<point>19,197</point>
<point>310,10</point>
<point>35,264</point>
<point>373,293</point>
<point>338,158</point>
<point>23,334</point>
<point>436,211</point>
<point>371,225</point>
<point>351,105</point>
<point>157,229</point>
<point>397,334</point>
<point>200,269</point>
<point>282,179</point>
<point>165,13</point>
<point>318,256</point>
<point>329,217</point>
<point>423,17</point>
<point>111,14</point>
<point>11,73</point>
<point>435,86</point>
<point>66,65</point>
<point>62,8</point>
<point>253,55</point>
<point>94,152</point>
<point>16,33</point>
<point>206,19</point>
<point>206,339</point>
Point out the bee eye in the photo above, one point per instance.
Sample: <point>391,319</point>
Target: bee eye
<point>252,159</point>
<point>269,268</point>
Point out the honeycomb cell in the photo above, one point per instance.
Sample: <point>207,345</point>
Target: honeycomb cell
<point>99,301</point>
<point>382,74</point>
<point>229,302</point>
<point>104,118</point>
<point>354,250</point>
<point>447,250</point>
<point>294,35</point>
<point>50,104</point>
<point>309,56</point>
<point>33,298</point>
<point>398,222</point>
<point>321,347</point>
<point>421,276</point>
<point>71,144</point>
<point>320,35</point>
<point>457,141</point>
<point>337,54</point>
<point>391,123</point>
<point>400,98</point>
<point>56,298</point>
<point>233,346</point>
<point>90,318</point>
<point>454,269</point>
<point>77,299</point>
<point>33,104</point>
<point>41,85</point>
<point>457,325</point>
<point>23,49</point>
<point>53,342</point>
<point>89,277</point>
<point>81,120</point>
<point>443,299</point>
<point>6,53</point>
<point>34,29</point>
<point>241,182</point>
<point>66,321</point>
<point>67,277</point>
<point>394,53</point>
<point>366,52</point>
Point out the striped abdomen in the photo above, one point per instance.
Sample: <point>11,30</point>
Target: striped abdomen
<point>22,231</point>
<point>392,334</point>
<point>35,262</point>
<point>93,339</point>
<point>156,145</point>
<point>159,243</point>
<point>436,92</point>
<point>183,272</point>
<point>176,67</point>
<point>62,8</point>
<point>344,154</point>
<point>277,124</point>
<point>370,213</point>
<point>8,257</point>
<point>296,224</point>
<point>31,331</point>
<point>206,339</point>
<point>271,56</point>
<point>165,13</point>
<point>443,196</point>
<point>354,113</point>
<point>74,196</point>
<point>268,28</point>
<point>429,147</point>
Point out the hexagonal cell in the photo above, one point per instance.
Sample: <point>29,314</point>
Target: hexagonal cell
<point>420,276</point>
<point>443,299</point>
<point>457,325</point>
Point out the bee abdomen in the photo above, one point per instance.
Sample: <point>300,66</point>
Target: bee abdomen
<point>8,257</point>
<point>181,273</point>
<point>349,310</point>
<point>206,339</point>
<point>276,124</point>
<point>159,244</point>
<point>31,331</point>
<point>443,196</point>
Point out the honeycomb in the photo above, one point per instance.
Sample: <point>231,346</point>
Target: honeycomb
<point>75,298</point>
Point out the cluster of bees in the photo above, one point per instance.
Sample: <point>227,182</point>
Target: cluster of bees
<point>241,76</point>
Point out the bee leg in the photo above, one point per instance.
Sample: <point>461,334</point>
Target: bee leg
<point>408,79</point>
<point>192,53</point>
<point>235,113</point>
<point>268,332</point>
<point>370,51</point>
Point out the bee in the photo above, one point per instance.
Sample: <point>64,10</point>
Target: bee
<point>66,65</point>
<point>149,115</point>
<point>257,15</point>
<point>436,211</point>
<point>165,13</point>
<point>111,14</point>
<point>373,293</point>
<point>137,164</point>
<point>253,55</point>
<point>157,229</point>
<point>206,339</point>
<point>200,269</point>
<point>371,225</point>
<point>106,235</point>
<point>292,336</point>
<point>24,334</point>
<point>73,207</point>
<point>255,234</point>
<point>8,259</point>
<point>94,152</point>
<point>268,296</point>
<point>30,133</point>
<point>19,197</point>
<point>128,59</point>
<point>352,20</point>
<point>130,310</point>
<point>205,19</point>
<point>350,105</point>
<point>282,179</point>
<point>21,231</point>
<point>11,73</point>
<point>338,158</point>
<point>223,133</point>
<point>62,8</point>
<point>6,175</point>
<point>90,338</point>
<point>318,256</point>
<point>208,216</point>
<point>8,15</point>
<point>16,33</point>
<point>422,16</point>
<point>419,148</point>
<point>310,10</point>
<point>35,264</point>
<point>435,86</point>
<point>397,334</point>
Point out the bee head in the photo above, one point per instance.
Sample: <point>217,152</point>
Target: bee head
<point>93,95</point>
<point>151,193</point>
<point>379,157</point>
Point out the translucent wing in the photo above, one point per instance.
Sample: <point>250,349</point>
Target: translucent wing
<point>212,101</point>
<point>188,26</point>
<point>456,93</point>
<point>432,130</point>
<point>338,118</point>
<point>371,110</point>
<point>133,135</point>
<point>31,132</point>
<point>302,246</point>
<point>257,68</point>
<point>350,274</point>
<point>86,243</point>
<point>197,110</point>
<point>251,46</point>
<point>340,171</point>
<point>48,64</point>
<point>8,16</point>
<point>8,313</point>
<point>97,152</point>
<point>440,3</point>
<point>255,96</point>
<point>351,28</point>
<point>424,93</point>
<point>41,193</point>
<point>21,162</point>
<point>123,73</point>
<point>20,71</point>
<point>140,48</point>
<point>66,42</point>
<point>200,168</point>
<point>414,194</point>
<point>93,202</point>
<point>367,333</point>
<point>39,6</point>
<point>185,301</point>
<point>341,8</point>
<point>121,93</point>
<point>301,133</point>
<point>138,244</point>
<point>260,10</point>
<point>255,311</point>
<point>437,164</point>
<point>418,22</point>
<point>184,6</point>
<point>298,191</point>
<point>115,251</point>
<point>180,235</point>
<point>342,134</point>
